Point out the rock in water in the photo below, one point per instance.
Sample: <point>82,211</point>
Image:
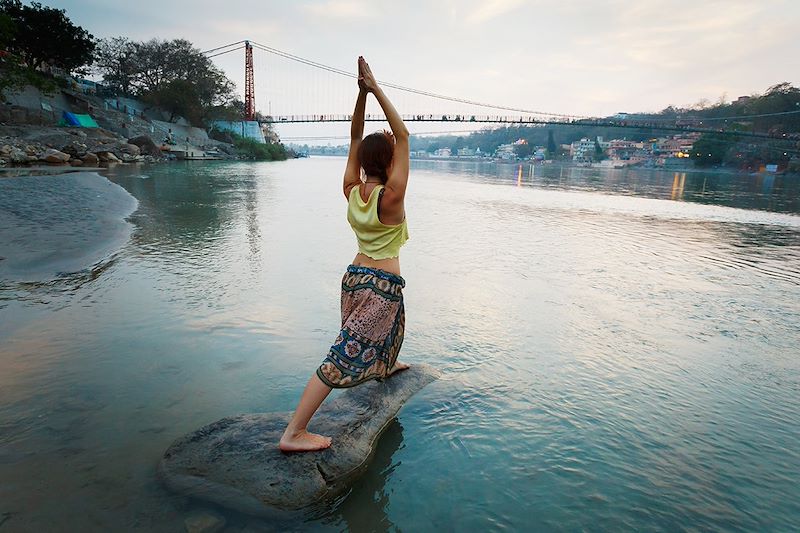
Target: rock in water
<point>235,462</point>
<point>205,521</point>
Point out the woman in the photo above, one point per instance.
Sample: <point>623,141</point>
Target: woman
<point>373,316</point>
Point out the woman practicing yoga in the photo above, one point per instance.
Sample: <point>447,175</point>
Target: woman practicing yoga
<point>373,317</point>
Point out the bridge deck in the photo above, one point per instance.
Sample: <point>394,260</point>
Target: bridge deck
<point>689,127</point>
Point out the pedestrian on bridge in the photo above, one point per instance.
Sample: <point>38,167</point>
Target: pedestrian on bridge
<point>373,314</point>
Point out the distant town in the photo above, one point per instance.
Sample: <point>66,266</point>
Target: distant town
<point>669,151</point>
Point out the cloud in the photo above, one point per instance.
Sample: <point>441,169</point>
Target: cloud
<point>341,9</point>
<point>491,9</point>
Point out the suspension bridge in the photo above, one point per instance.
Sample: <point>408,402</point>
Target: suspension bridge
<point>330,91</point>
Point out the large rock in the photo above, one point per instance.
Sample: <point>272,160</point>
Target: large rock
<point>107,157</point>
<point>18,156</point>
<point>204,521</point>
<point>127,148</point>
<point>90,160</point>
<point>75,149</point>
<point>52,155</point>
<point>235,462</point>
<point>146,145</point>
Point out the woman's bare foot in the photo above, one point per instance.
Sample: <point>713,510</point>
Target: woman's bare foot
<point>397,367</point>
<point>303,441</point>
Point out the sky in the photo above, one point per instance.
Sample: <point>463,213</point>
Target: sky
<point>593,58</point>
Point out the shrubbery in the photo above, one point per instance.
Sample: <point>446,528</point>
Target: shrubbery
<point>260,152</point>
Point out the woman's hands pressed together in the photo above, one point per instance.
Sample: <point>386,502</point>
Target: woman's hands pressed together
<point>366,80</point>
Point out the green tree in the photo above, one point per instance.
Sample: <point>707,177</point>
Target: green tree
<point>116,59</point>
<point>45,35</point>
<point>709,150</point>
<point>14,74</point>
<point>178,98</point>
<point>523,150</point>
<point>173,75</point>
<point>7,31</point>
<point>552,150</point>
<point>599,153</point>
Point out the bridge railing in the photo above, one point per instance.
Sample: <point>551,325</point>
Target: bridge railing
<point>417,118</point>
<point>680,125</point>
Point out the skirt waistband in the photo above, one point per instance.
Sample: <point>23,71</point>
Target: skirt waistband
<point>378,273</point>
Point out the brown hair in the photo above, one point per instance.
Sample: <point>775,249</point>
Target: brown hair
<point>375,154</point>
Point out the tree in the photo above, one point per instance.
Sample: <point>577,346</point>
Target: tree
<point>709,150</point>
<point>116,59</point>
<point>173,75</point>
<point>552,151</point>
<point>599,153</point>
<point>523,150</point>
<point>458,144</point>
<point>14,74</point>
<point>179,98</point>
<point>7,31</point>
<point>45,35</point>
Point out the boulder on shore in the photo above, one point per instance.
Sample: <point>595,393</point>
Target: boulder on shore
<point>146,145</point>
<point>51,155</point>
<point>128,148</point>
<point>18,156</point>
<point>75,149</point>
<point>108,157</point>
<point>90,159</point>
<point>235,462</point>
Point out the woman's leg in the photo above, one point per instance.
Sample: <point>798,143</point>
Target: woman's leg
<point>296,438</point>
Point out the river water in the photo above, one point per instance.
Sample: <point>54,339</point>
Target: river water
<point>619,348</point>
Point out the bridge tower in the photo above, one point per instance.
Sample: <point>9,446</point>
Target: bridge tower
<point>249,85</point>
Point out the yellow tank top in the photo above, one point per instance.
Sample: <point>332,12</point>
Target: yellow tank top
<point>375,239</point>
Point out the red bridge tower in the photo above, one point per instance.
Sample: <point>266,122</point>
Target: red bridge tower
<point>249,85</point>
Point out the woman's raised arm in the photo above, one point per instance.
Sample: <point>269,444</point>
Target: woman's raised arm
<point>397,181</point>
<point>352,172</point>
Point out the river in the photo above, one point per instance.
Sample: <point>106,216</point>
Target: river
<point>619,347</point>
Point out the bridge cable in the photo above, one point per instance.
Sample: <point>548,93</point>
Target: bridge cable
<point>221,47</point>
<point>408,89</point>
<point>345,73</point>
<point>225,52</point>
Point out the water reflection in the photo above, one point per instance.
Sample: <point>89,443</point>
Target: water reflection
<point>617,334</point>
<point>768,192</point>
<point>195,220</point>
<point>365,508</point>
<point>678,183</point>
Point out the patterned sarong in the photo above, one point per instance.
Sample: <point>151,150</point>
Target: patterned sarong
<point>373,323</point>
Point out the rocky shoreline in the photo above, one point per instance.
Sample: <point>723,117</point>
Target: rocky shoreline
<point>25,145</point>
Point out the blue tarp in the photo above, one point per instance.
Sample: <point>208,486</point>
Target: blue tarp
<point>71,119</point>
<point>81,121</point>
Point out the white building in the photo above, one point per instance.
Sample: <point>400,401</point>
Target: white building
<point>584,149</point>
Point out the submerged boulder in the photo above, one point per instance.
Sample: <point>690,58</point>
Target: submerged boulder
<point>235,462</point>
